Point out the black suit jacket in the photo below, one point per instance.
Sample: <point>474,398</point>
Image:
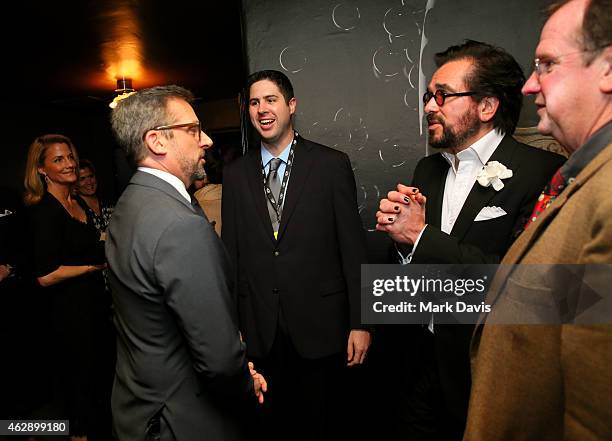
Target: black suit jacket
<point>483,241</point>
<point>475,242</point>
<point>312,271</point>
<point>179,356</point>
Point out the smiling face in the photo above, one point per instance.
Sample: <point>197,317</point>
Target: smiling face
<point>271,114</point>
<point>455,124</point>
<point>570,104</point>
<point>87,184</point>
<point>59,165</point>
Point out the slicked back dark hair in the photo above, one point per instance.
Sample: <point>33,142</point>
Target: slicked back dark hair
<point>596,30</point>
<point>495,74</point>
<point>278,78</point>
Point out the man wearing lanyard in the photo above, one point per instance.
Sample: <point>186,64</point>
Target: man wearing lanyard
<point>292,228</point>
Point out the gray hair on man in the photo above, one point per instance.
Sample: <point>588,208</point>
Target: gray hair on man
<point>142,111</point>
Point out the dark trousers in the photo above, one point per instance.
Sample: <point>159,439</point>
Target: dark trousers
<point>305,398</point>
<point>435,408</point>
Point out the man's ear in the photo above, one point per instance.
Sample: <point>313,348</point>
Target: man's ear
<point>156,143</point>
<point>605,82</point>
<point>487,108</point>
<point>292,105</point>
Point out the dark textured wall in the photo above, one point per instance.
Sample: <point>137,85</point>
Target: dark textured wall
<point>360,67</point>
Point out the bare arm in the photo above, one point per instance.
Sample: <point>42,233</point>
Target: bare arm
<point>5,271</point>
<point>65,272</point>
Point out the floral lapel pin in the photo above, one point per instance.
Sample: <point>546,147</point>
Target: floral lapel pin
<point>492,174</point>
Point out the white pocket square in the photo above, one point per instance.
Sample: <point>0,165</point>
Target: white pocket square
<point>6,213</point>
<point>488,213</point>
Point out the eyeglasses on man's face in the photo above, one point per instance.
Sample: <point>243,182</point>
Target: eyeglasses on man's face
<point>440,96</point>
<point>194,128</point>
<point>545,65</point>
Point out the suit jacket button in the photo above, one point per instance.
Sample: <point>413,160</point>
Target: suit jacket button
<point>276,253</point>
<point>275,291</point>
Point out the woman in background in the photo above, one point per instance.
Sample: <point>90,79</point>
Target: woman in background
<point>98,210</point>
<point>67,259</point>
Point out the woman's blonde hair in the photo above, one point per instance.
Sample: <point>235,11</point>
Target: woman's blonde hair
<point>34,182</point>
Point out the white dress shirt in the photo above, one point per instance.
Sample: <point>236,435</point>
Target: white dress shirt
<point>170,179</point>
<point>461,177</point>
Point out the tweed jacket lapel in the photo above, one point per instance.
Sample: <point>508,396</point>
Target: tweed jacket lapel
<point>526,240</point>
<point>529,236</point>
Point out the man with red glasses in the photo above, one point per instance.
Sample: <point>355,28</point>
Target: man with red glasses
<point>552,380</point>
<point>182,371</point>
<point>466,204</point>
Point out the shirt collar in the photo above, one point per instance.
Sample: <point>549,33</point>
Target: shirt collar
<point>481,150</point>
<point>266,156</point>
<point>170,179</point>
<point>585,154</point>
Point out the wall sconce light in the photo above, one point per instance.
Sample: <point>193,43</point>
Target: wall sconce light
<point>123,90</point>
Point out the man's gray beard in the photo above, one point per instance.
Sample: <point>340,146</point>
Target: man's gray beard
<point>194,170</point>
<point>469,125</point>
<point>198,172</point>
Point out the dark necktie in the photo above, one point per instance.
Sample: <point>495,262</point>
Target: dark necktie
<point>550,193</point>
<point>274,183</point>
<point>198,208</point>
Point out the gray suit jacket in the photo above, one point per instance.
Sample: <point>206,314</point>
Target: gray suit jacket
<point>179,355</point>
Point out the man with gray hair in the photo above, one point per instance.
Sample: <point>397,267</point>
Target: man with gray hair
<point>553,381</point>
<point>181,372</point>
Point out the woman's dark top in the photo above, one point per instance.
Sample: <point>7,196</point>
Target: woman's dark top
<point>60,239</point>
<point>100,221</point>
<point>79,306</point>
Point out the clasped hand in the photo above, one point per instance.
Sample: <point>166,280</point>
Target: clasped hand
<point>402,214</point>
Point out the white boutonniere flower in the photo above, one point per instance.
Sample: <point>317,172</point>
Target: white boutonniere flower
<point>492,174</point>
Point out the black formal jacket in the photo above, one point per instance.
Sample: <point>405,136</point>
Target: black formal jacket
<point>476,242</point>
<point>312,271</point>
<point>483,241</point>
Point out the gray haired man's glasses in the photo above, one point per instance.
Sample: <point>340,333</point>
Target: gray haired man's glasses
<point>195,128</point>
<point>545,65</point>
